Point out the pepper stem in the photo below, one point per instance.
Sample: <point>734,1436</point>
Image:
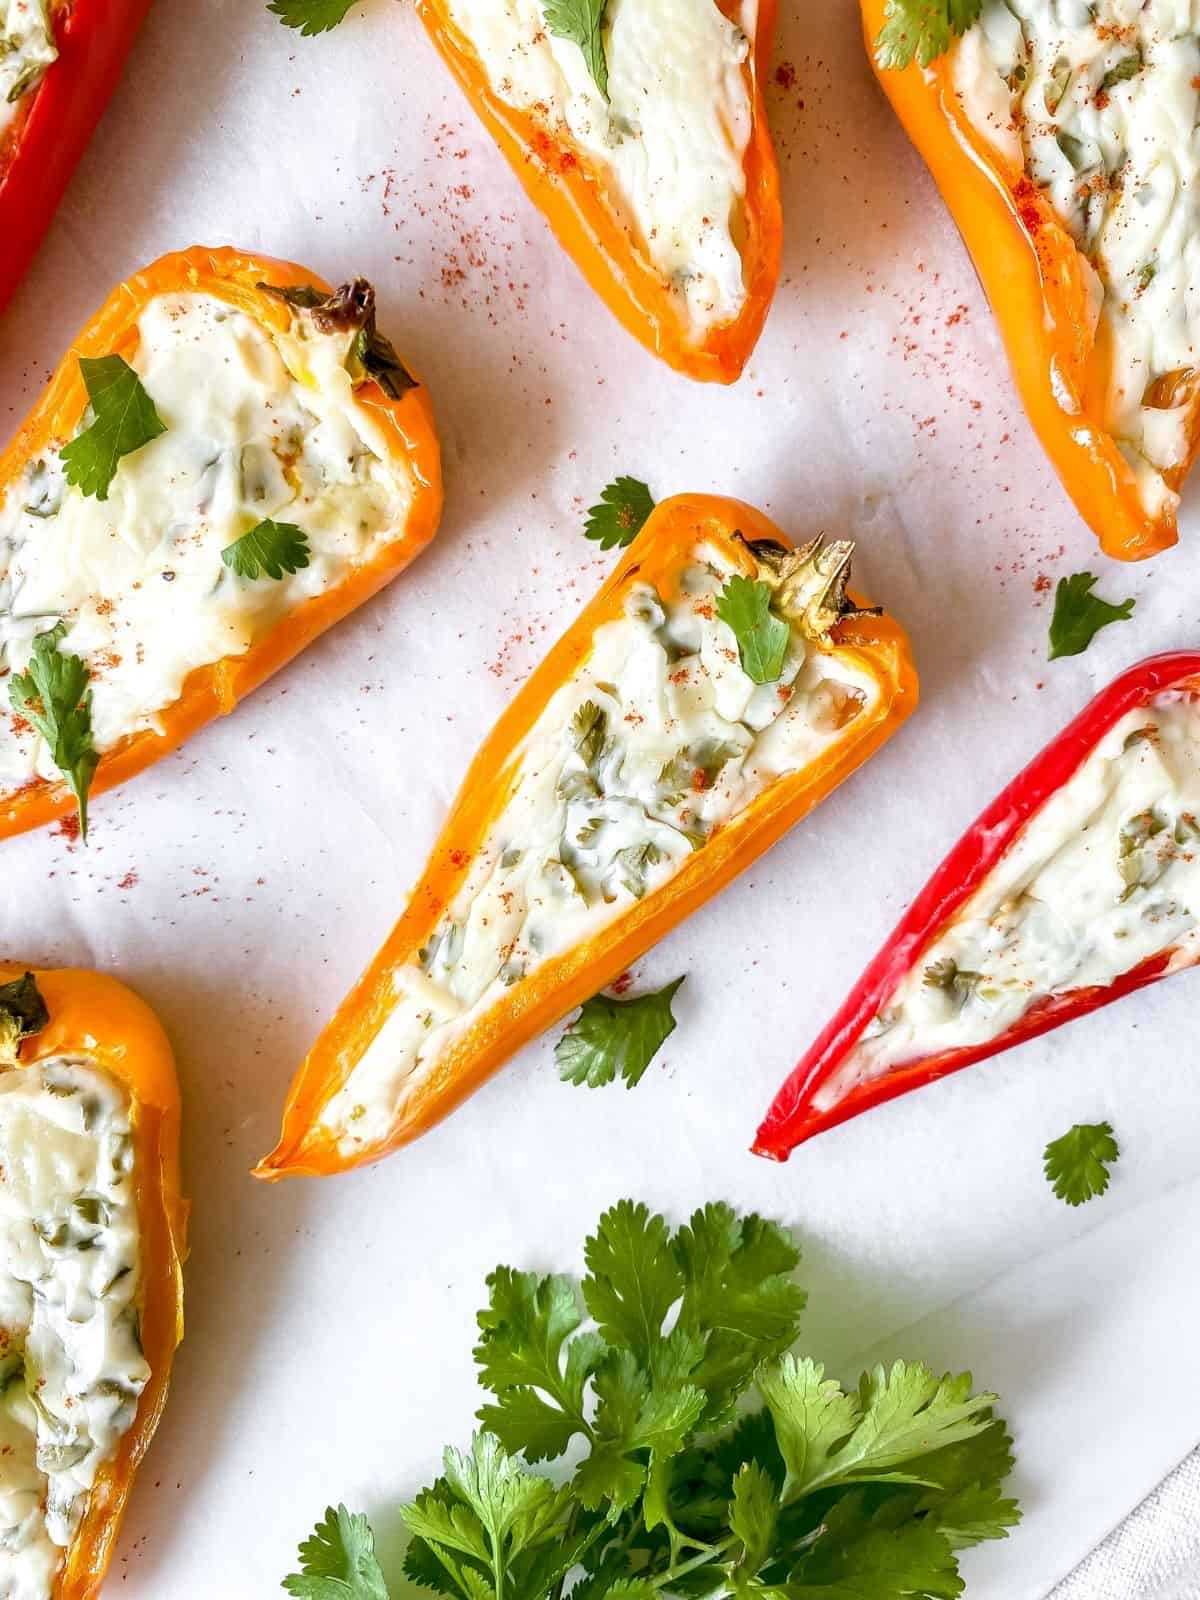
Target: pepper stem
<point>810,583</point>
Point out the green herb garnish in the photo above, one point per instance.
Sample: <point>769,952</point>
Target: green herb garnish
<point>311,17</point>
<point>23,1012</point>
<point>1128,67</point>
<point>580,21</point>
<point>1077,1164</point>
<point>762,637</point>
<point>123,420</point>
<point>709,1461</point>
<point>611,1037</point>
<point>621,514</point>
<point>272,548</point>
<point>53,694</point>
<point>1079,615</point>
<point>921,30</point>
<point>337,1561</point>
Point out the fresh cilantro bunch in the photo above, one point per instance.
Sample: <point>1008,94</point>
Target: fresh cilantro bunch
<point>707,1459</point>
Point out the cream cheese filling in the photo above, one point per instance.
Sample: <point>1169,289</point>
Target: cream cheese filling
<point>670,139</point>
<point>71,1364</point>
<point>1097,101</point>
<point>657,740</point>
<point>1106,875</point>
<point>259,424</point>
<point>27,48</point>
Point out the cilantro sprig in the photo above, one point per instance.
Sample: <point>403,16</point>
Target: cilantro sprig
<point>1079,615</point>
<point>123,420</point>
<point>272,548</point>
<point>311,17</point>
<point>709,1460</point>
<point>611,1037</point>
<point>762,636</point>
<point>1077,1164</point>
<point>921,30</point>
<point>621,513</point>
<point>337,1561</point>
<point>53,693</point>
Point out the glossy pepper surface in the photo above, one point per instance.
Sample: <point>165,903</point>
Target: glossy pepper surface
<point>213,690</point>
<point>799,1110</point>
<point>41,148</point>
<point>1036,281</point>
<point>97,1019</point>
<point>573,194</point>
<point>659,556</point>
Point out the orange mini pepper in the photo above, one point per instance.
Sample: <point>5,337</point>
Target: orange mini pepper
<point>874,645</point>
<point>213,690</point>
<point>98,1020</point>
<point>565,184</point>
<point>1035,279</point>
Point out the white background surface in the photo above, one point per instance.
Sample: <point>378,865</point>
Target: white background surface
<point>243,884</point>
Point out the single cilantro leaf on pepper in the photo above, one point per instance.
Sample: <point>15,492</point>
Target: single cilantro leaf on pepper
<point>921,30</point>
<point>123,420</point>
<point>53,694</point>
<point>270,548</point>
<point>762,637</point>
<point>580,21</point>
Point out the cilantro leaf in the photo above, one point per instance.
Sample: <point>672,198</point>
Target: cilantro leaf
<point>1079,615</point>
<point>311,16</point>
<point>633,1279</point>
<point>337,1561</point>
<point>621,514</point>
<point>123,420</point>
<point>877,1435</point>
<point>580,22</point>
<point>23,1012</point>
<point>54,695</point>
<point>272,548</point>
<point>921,30</point>
<point>858,1554</point>
<point>1077,1164</point>
<point>762,637</point>
<point>611,1036</point>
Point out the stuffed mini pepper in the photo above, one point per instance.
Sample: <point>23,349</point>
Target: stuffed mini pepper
<point>91,1238</point>
<point>59,63</point>
<point>1079,884</point>
<point>229,460</point>
<point>717,688</point>
<point>643,137</point>
<point>1061,134</point>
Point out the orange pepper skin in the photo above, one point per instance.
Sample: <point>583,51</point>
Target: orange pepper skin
<point>212,691</point>
<point>96,1017</point>
<point>659,556</point>
<point>1033,276</point>
<point>564,185</point>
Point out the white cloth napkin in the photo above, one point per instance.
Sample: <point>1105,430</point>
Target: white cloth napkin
<point>1154,1554</point>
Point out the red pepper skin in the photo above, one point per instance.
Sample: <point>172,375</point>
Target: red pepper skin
<point>93,38</point>
<point>793,1117</point>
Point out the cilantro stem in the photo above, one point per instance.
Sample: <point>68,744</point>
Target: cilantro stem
<point>708,1553</point>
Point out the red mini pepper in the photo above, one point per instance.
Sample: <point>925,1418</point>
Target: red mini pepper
<point>794,1115</point>
<point>41,149</point>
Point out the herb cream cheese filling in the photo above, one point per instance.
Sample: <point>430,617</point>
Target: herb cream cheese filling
<point>27,48</point>
<point>1106,875</point>
<point>71,1364</point>
<point>260,424</point>
<point>1097,101</point>
<point>658,740</point>
<point>669,139</point>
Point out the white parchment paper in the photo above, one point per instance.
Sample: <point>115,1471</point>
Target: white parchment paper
<point>242,884</point>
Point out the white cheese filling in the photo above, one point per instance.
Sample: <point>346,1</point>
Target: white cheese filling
<point>671,138</point>
<point>71,1364</point>
<point>27,48</point>
<point>1106,875</point>
<point>1097,100</point>
<point>258,425</point>
<point>656,741</point>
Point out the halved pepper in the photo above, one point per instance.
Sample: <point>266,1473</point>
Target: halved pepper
<point>1073,888</point>
<point>637,772</point>
<point>54,120</point>
<point>81,1017</point>
<point>580,201</point>
<point>1038,285</point>
<point>278,300</point>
